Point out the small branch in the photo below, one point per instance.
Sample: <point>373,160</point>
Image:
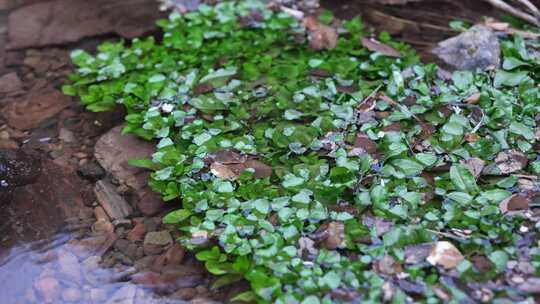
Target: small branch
<point>513,11</point>
<point>531,7</point>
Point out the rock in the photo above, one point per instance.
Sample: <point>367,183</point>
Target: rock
<point>175,255</point>
<point>103,227</point>
<point>127,248</point>
<point>71,295</point>
<point>91,263</point>
<point>137,233</point>
<point>144,263</point>
<point>91,171</point>
<point>113,151</point>
<point>38,106</point>
<point>98,295</point>
<point>160,238</point>
<point>184,294</point>
<point>10,83</point>
<point>64,21</point>
<point>124,295</point>
<point>150,249</point>
<point>477,48</point>
<point>115,206</point>
<point>48,288</point>
<point>100,214</point>
<point>66,135</point>
<point>150,202</point>
<point>68,265</point>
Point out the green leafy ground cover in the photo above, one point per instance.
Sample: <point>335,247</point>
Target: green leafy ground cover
<point>331,175</point>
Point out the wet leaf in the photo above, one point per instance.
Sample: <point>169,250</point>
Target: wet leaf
<point>376,46</point>
<point>511,161</point>
<point>515,202</point>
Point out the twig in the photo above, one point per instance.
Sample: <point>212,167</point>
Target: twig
<point>513,11</point>
<point>466,105</point>
<point>531,7</point>
<point>446,234</point>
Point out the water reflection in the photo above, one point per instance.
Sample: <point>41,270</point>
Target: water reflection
<point>67,270</point>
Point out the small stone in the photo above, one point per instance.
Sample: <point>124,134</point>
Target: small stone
<point>160,238</point>
<point>115,206</point>
<point>137,233</point>
<point>86,213</point>
<point>98,295</point>
<point>144,263</point>
<point>66,135</point>
<point>150,249</point>
<point>122,223</point>
<point>477,48</point>
<point>91,171</point>
<point>175,255</point>
<point>91,263</point>
<point>100,214</point>
<point>185,294</point>
<point>102,227</point>
<point>48,288</point>
<point>71,295</point>
<point>10,83</point>
<point>68,265</point>
<point>150,202</point>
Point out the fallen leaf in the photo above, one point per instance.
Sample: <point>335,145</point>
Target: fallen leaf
<point>445,254</point>
<point>336,236</point>
<point>471,137</point>
<point>473,99</point>
<point>415,254</point>
<point>320,36</point>
<point>229,165</point>
<point>511,161</point>
<point>475,165</point>
<point>388,265</point>
<point>376,46</point>
<point>364,144</point>
<point>515,202</point>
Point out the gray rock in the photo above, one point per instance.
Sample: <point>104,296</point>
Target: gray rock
<point>124,295</point>
<point>160,238</point>
<point>477,48</point>
<point>115,206</point>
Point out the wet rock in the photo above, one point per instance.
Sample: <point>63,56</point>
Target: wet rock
<point>66,135</point>
<point>68,265</point>
<point>159,238</point>
<point>63,21</point>
<point>48,288</point>
<point>151,249</point>
<point>71,295</point>
<point>125,295</point>
<point>91,171</point>
<point>91,263</point>
<point>115,206</point>
<point>477,48</point>
<point>175,255</point>
<point>98,295</point>
<point>144,263</point>
<point>10,83</point>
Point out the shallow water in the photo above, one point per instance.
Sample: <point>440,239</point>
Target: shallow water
<point>67,270</point>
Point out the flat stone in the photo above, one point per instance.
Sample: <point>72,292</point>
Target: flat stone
<point>116,207</point>
<point>476,48</point>
<point>160,238</point>
<point>113,151</point>
<point>10,83</point>
<point>39,105</point>
<point>64,21</point>
<point>150,202</point>
<point>137,233</point>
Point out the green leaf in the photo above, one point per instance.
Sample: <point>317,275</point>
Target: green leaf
<point>511,79</point>
<point>176,217</point>
<point>522,130</point>
<point>462,179</point>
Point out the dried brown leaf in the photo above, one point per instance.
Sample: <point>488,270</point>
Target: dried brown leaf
<point>473,99</point>
<point>510,161</point>
<point>321,37</point>
<point>336,236</point>
<point>475,165</point>
<point>376,46</point>
<point>515,202</point>
<point>445,254</point>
